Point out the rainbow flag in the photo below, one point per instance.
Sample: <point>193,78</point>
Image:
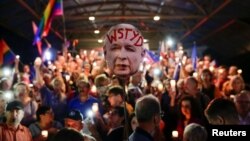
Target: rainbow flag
<point>54,8</point>
<point>6,55</point>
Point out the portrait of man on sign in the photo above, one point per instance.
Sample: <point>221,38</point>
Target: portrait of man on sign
<point>123,49</point>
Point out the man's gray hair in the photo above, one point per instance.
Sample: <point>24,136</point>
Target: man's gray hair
<point>195,132</point>
<point>146,108</point>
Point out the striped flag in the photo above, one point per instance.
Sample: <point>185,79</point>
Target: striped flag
<point>6,55</point>
<point>54,8</point>
<point>177,71</point>
<point>38,43</point>
<point>151,57</point>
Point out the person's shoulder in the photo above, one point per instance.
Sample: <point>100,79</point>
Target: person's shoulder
<point>88,137</point>
<point>3,125</point>
<point>75,99</point>
<point>33,125</point>
<point>57,124</point>
<point>137,137</point>
<point>91,98</point>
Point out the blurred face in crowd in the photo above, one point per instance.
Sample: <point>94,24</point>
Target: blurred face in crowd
<point>48,117</point>
<point>237,84</point>
<point>26,69</point>
<point>5,85</point>
<point>123,49</point>
<point>115,119</point>
<point>186,108</point>
<point>58,85</point>
<point>75,124</point>
<point>115,100</point>
<point>222,74</point>
<point>189,86</point>
<point>22,91</point>
<point>14,116</point>
<point>206,77</point>
<point>242,102</point>
<point>83,90</point>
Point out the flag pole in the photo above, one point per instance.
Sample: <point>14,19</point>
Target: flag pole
<point>64,29</point>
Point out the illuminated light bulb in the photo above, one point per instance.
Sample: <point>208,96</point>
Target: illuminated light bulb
<point>77,56</point>
<point>96,31</point>
<point>17,56</point>
<point>91,18</point>
<point>173,84</point>
<point>67,77</point>
<point>99,40</point>
<point>239,71</point>
<point>6,71</point>
<point>195,75</point>
<point>175,134</point>
<point>49,62</point>
<point>45,133</point>
<point>8,96</point>
<point>95,107</point>
<point>160,87</point>
<point>47,55</point>
<point>93,89</point>
<point>90,113</point>
<point>157,18</point>
<point>211,68</point>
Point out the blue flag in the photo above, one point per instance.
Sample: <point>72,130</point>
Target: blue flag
<point>194,57</point>
<point>150,55</point>
<point>177,70</point>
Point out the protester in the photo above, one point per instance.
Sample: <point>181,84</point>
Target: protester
<point>147,111</point>
<point>14,115</point>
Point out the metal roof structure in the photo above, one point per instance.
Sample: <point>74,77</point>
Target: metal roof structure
<point>222,25</point>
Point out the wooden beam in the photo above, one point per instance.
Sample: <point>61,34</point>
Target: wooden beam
<point>136,17</point>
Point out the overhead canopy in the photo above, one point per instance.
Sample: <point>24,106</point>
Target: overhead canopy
<point>222,25</point>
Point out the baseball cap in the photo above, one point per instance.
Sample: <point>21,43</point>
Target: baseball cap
<point>14,105</point>
<point>75,115</point>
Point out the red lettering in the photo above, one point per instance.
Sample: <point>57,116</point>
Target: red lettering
<point>120,32</point>
<point>135,35</point>
<point>127,30</point>
<point>112,37</point>
<point>139,41</point>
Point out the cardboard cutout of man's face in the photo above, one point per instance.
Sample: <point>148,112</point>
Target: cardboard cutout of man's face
<point>124,50</point>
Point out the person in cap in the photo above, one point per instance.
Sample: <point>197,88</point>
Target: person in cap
<point>12,130</point>
<point>123,49</point>
<point>74,120</point>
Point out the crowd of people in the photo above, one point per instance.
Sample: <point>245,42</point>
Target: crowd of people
<point>78,97</point>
